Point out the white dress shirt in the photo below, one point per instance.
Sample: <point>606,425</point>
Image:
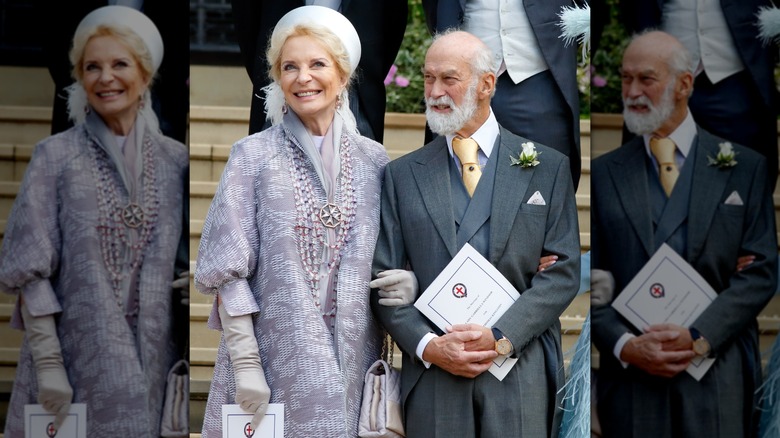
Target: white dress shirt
<point>504,27</point>
<point>701,27</point>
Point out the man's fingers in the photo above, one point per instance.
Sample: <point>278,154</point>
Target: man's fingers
<point>480,356</point>
<point>664,327</point>
<point>465,327</point>
<point>465,336</point>
<point>664,335</point>
<point>546,261</point>
<point>675,356</point>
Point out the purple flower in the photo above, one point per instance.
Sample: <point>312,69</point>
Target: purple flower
<point>401,81</point>
<point>599,81</point>
<point>390,74</point>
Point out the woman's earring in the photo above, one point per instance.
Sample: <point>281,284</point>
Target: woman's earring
<point>338,102</point>
<point>284,108</point>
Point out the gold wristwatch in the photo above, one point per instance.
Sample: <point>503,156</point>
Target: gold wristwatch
<point>503,345</point>
<point>701,346</point>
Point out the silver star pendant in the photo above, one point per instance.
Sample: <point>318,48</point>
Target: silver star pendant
<point>330,215</point>
<point>133,215</point>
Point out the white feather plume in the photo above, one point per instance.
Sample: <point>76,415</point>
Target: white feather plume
<point>768,24</point>
<point>575,26</point>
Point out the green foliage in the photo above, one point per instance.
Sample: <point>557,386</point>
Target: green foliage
<point>606,64</point>
<point>410,59</point>
<point>584,85</point>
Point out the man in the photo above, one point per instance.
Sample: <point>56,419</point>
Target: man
<point>512,216</point>
<point>710,213</point>
<point>536,90</point>
<point>736,97</point>
<point>380,25</point>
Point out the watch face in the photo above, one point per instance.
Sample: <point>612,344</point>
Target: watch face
<point>701,347</point>
<point>503,346</point>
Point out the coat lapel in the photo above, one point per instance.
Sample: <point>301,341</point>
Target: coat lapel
<point>628,183</point>
<point>707,188</point>
<point>509,189</point>
<point>431,173</point>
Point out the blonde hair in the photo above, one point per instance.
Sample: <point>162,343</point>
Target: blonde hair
<point>274,97</point>
<point>328,39</point>
<point>77,96</point>
<point>124,35</point>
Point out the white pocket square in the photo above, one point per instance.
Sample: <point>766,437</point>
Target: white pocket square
<point>536,199</point>
<point>734,199</point>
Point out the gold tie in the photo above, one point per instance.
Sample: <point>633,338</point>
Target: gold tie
<point>663,150</point>
<point>466,150</point>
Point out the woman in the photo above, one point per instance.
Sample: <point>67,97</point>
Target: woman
<point>288,242</point>
<point>92,238</point>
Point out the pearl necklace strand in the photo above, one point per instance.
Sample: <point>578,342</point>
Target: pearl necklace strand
<point>311,226</point>
<point>114,220</point>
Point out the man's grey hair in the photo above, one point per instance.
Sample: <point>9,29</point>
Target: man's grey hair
<point>482,59</point>
<point>680,61</point>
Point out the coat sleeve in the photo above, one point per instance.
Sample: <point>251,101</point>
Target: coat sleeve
<point>749,290</point>
<point>230,242</point>
<point>31,245</point>
<point>405,324</point>
<point>607,324</point>
<point>539,307</point>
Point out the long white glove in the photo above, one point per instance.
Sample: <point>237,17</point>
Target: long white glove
<point>252,391</point>
<point>602,287</point>
<point>397,287</point>
<point>54,390</point>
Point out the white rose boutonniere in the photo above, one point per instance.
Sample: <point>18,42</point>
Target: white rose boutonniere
<point>725,157</point>
<point>528,156</point>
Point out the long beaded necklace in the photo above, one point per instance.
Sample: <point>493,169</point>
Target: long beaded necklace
<point>121,253</point>
<point>314,216</point>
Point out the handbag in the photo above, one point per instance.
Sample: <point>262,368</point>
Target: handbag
<point>175,412</point>
<point>175,416</point>
<point>380,409</point>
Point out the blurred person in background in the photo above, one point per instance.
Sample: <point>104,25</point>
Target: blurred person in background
<point>92,239</point>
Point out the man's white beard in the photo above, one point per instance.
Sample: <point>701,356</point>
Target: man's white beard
<point>449,124</point>
<point>641,124</point>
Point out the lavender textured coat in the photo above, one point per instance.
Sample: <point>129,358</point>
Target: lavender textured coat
<point>51,256</point>
<point>249,256</point>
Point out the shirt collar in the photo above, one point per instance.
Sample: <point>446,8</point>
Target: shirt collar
<point>682,136</point>
<point>485,136</point>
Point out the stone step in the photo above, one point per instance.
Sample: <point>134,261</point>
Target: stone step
<point>218,124</point>
<point>24,125</point>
